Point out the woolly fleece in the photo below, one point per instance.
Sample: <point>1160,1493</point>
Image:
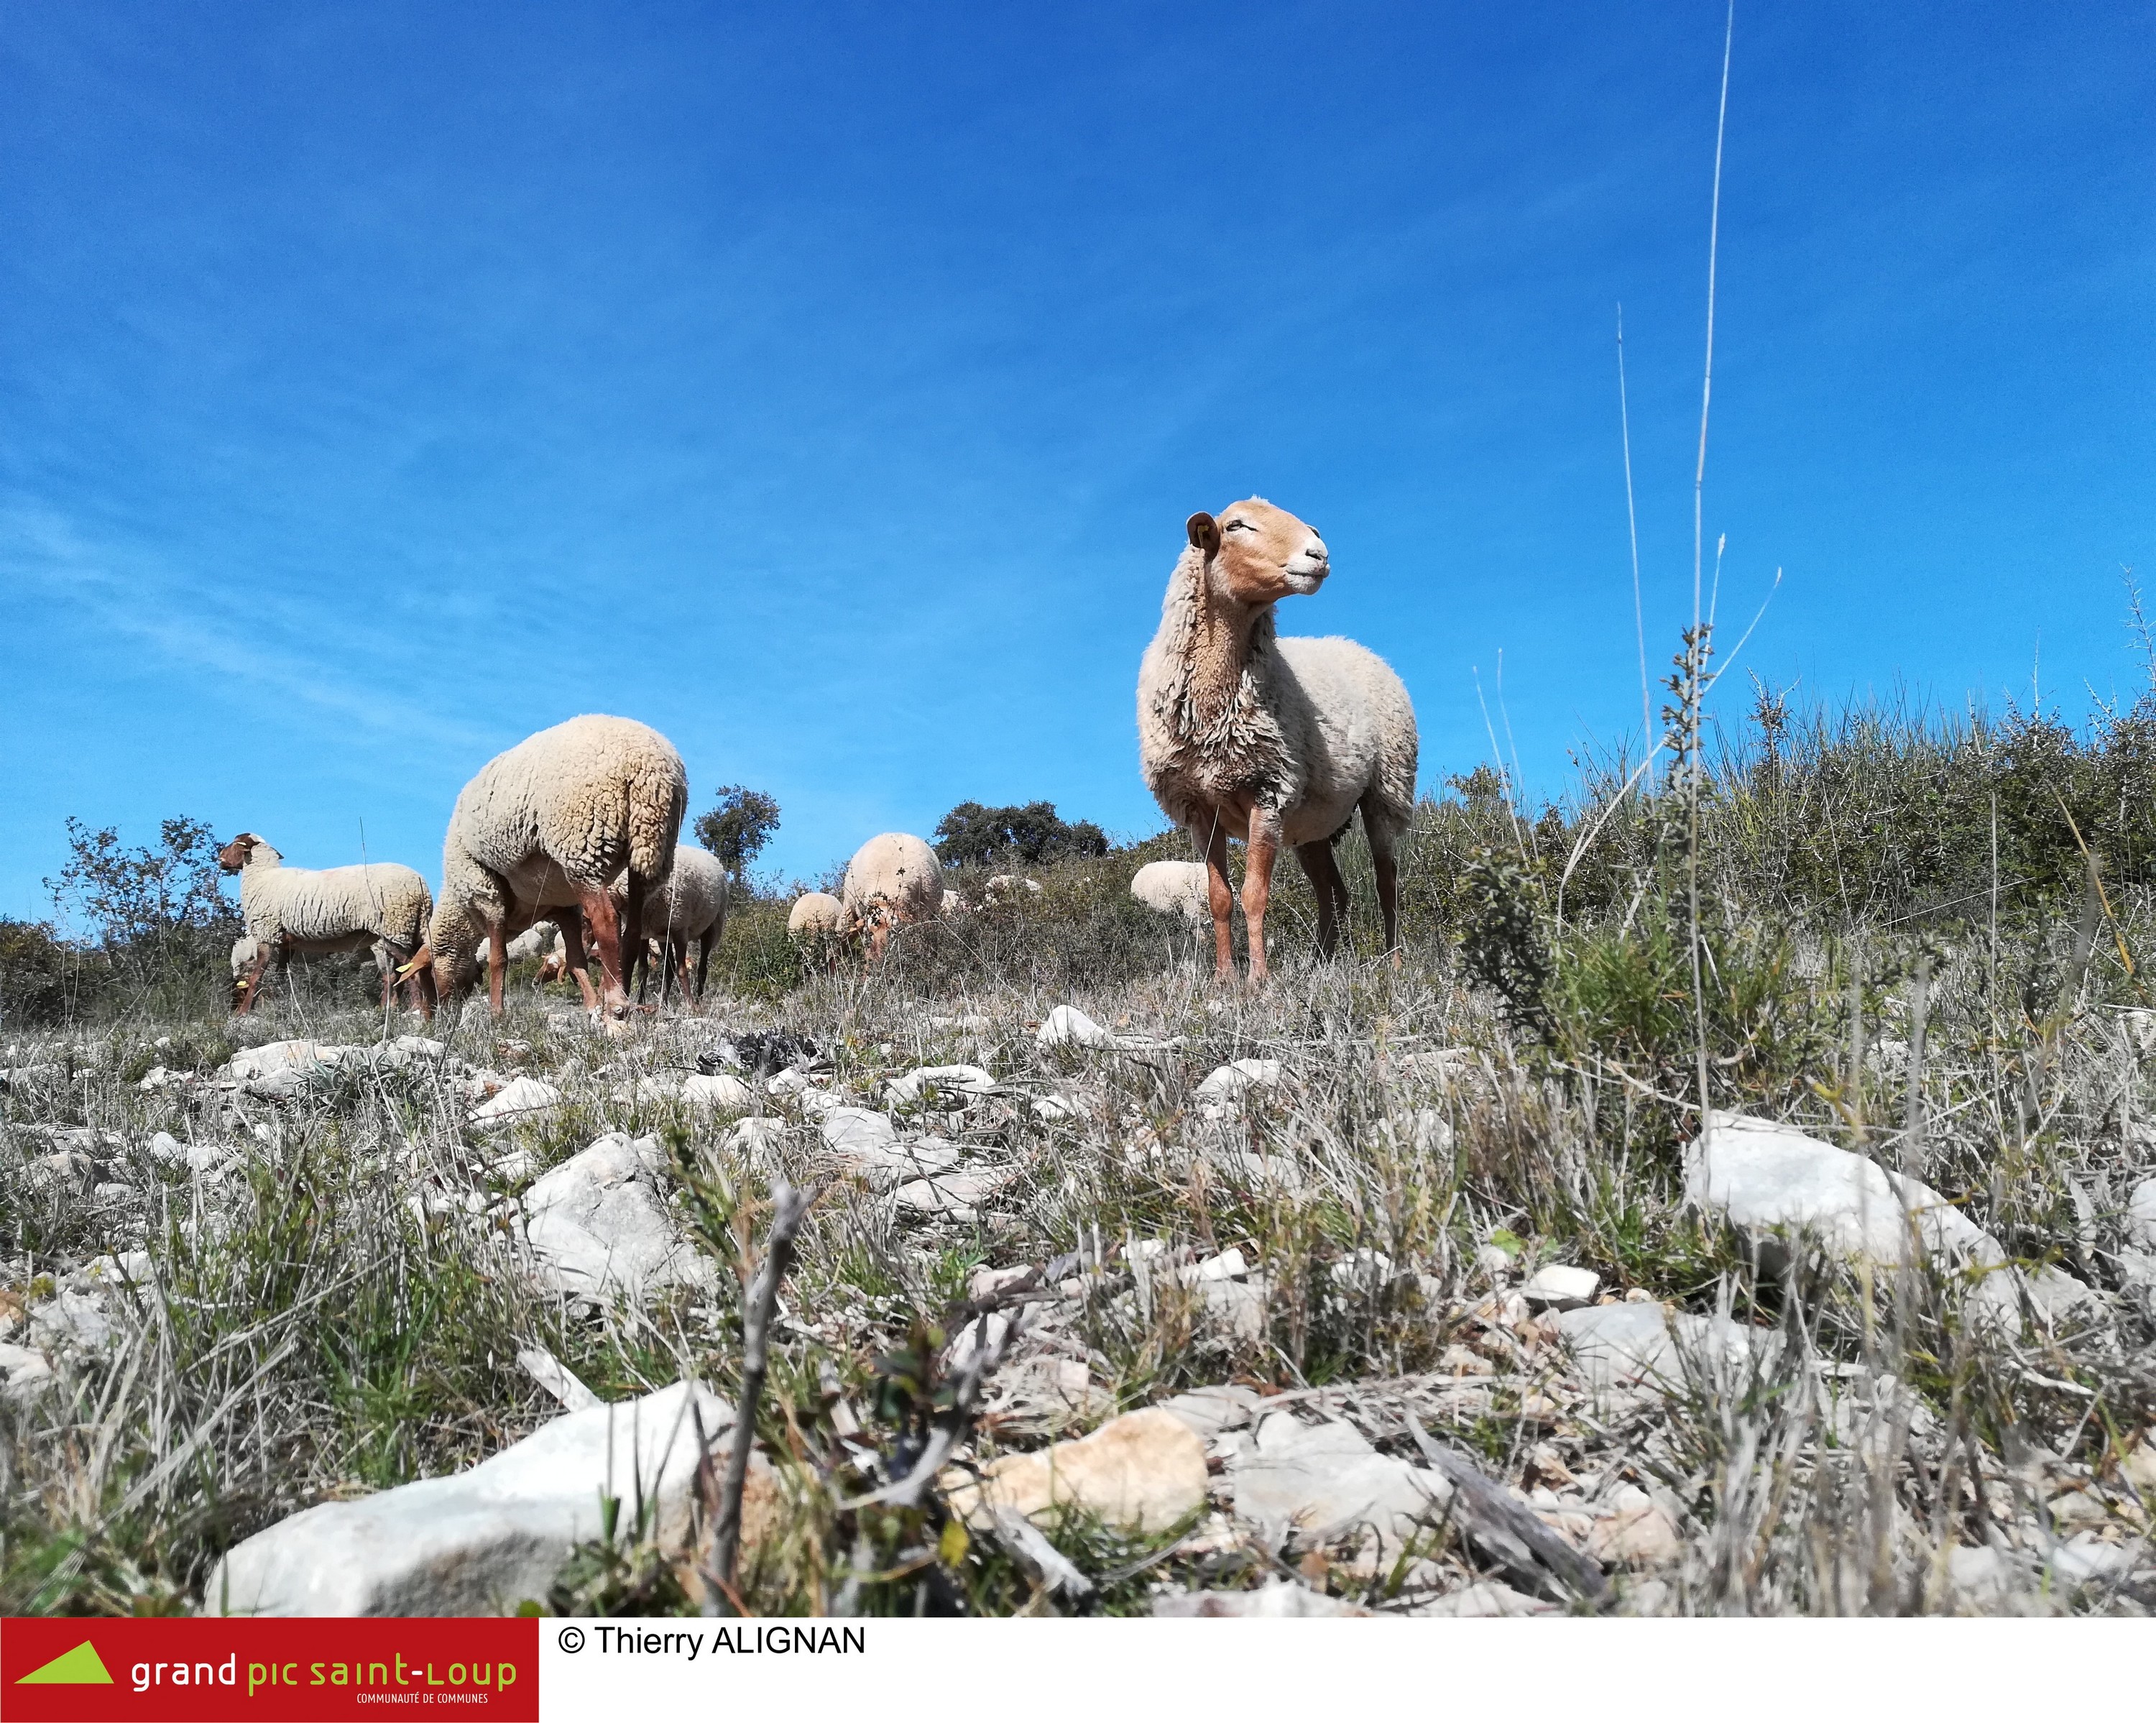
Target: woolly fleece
<point>1174,888</point>
<point>1314,729</point>
<point>894,877</point>
<point>330,908</point>
<point>692,906</point>
<point>567,809</point>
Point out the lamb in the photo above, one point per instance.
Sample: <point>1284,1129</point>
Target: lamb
<point>893,881</point>
<point>693,906</point>
<point>545,827</point>
<point>1242,735</point>
<point>377,906</point>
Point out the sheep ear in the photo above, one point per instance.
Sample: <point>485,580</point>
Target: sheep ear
<point>1205,532</point>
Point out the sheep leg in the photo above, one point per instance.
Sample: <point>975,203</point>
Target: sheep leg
<point>574,958</point>
<point>497,963</point>
<point>250,987</point>
<point>1261,851</point>
<point>629,925</point>
<point>680,946</point>
<point>703,962</point>
<point>598,906</point>
<point>1220,899</point>
<point>388,959</point>
<point>1330,890</point>
<point>1382,837</point>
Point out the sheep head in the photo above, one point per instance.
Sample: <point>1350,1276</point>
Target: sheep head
<point>449,954</point>
<point>242,850</point>
<point>1255,554</point>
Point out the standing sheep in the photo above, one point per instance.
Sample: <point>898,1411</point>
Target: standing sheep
<point>893,881</point>
<point>377,906</point>
<point>693,906</point>
<point>545,827</point>
<point>1243,735</point>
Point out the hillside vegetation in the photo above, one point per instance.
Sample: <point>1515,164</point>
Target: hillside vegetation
<point>1919,940</point>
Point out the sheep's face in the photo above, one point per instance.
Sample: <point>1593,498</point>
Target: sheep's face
<point>1256,554</point>
<point>236,854</point>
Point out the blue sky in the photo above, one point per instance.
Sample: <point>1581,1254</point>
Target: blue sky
<point>827,385</point>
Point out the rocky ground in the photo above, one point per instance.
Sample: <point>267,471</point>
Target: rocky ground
<point>1168,1301</point>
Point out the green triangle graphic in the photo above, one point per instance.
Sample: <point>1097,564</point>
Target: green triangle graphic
<point>79,1668</point>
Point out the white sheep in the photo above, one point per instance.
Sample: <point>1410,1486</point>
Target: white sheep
<point>1006,888</point>
<point>815,915</point>
<point>1173,888</point>
<point>545,827</point>
<point>692,906</point>
<point>1243,735</point>
<point>893,881</point>
<point>380,906</point>
<point>543,939</point>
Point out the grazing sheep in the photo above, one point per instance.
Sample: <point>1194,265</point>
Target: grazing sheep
<point>1008,889</point>
<point>893,881</point>
<point>543,938</point>
<point>693,906</point>
<point>243,960</point>
<point>377,906</point>
<point>546,826</point>
<point>815,915</point>
<point>1173,888</point>
<point>1243,735</point>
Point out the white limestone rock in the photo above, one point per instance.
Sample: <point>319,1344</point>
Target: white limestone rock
<point>1775,1185</point>
<point>597,1225</point>
<point>946,1083</point>
<point>522,1100</point>
<point>2141,1215</point>
<point>1554,1286</point>
<point>723,1093</point>
<point>1312,1484</point>
<point>1066,1026</point>
<point>477,1542</point>
<point>1232,1081</point>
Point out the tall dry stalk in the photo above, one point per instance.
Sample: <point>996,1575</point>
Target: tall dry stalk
<point>1696,642</point>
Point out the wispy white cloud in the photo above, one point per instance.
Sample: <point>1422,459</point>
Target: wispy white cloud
<point>276,655</point>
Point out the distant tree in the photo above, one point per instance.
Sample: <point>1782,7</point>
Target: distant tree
<point>972,833</point>
<point>738,826</point>
<point>146,894</point>
<point>1482,789</point>
<point>158,910</point>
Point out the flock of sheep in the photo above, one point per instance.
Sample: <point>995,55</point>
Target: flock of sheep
<point>1241,735</point>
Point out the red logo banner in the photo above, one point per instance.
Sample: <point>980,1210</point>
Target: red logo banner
<point>222,1670</point>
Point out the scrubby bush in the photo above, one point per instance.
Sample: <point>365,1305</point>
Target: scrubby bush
<point>971,834</point>
<point>39,975</point>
